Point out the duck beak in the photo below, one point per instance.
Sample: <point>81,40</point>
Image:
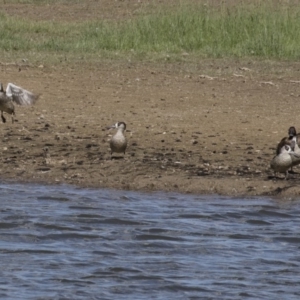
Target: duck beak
<point>111,127</point>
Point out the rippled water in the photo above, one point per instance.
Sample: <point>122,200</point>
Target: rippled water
<point>70,243</point>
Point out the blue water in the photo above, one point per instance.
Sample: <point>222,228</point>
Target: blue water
<point>62,242</point>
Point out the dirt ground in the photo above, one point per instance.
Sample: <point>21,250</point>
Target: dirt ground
<point>210,127</point>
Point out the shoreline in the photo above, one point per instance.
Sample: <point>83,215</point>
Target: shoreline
<point>235,186</point>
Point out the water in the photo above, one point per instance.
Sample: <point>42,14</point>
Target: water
<point>70,243</point>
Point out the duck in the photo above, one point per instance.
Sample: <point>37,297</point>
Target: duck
<point>14,94</point>
<point>292,136</point>
<point>292,131</point>
<point>290,140</point>
<point>285,160</point>
<point>118,143</point>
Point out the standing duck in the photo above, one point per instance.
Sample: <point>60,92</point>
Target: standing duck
<point>285,159</point>
<point>15,94</point>
<point>118,143</point>
<point>292,132</point>
<point>292,141</point>
<point>292,136</point>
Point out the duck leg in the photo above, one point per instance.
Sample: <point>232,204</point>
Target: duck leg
<point>286,175</point>
<point>2,117</point>
<point>292,171</point>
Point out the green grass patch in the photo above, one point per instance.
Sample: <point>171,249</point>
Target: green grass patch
<point>40,2</point>
<point>257,30</point>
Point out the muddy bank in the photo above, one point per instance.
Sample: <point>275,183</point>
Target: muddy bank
<point>205,128</point>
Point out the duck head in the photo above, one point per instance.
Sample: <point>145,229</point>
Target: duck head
<point>292,132</point>
<point>118,125</point>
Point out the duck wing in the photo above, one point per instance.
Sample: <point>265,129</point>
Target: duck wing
<point>20,95</point>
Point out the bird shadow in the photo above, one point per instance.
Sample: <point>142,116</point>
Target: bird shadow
<point>117,158</point>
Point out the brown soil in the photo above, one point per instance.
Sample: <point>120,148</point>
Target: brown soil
<point>210,127</point>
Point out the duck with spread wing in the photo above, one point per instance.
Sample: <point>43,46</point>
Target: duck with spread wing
<point>14,94</point>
